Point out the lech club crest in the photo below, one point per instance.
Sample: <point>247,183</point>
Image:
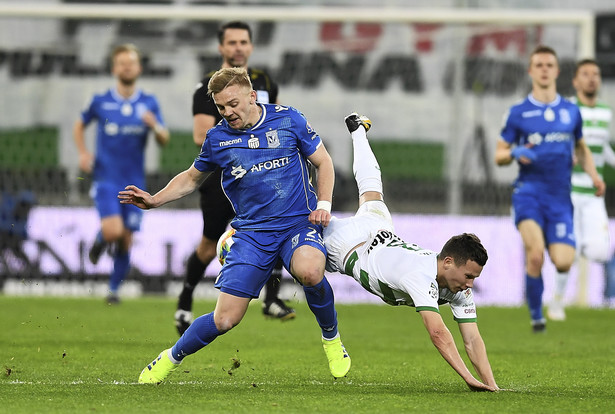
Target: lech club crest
<point>272,139</point>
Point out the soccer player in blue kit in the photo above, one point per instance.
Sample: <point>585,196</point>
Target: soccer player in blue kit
<point>540,133</point>
<point>235,47</point>
<point>125,116</point>
<point>263,151</point>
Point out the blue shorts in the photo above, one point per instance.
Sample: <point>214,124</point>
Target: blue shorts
<point>553,215</point>
<point>105,199</point>
<point>254,254</point>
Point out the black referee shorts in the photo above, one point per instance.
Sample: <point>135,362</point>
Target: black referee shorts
<point>216,208</point>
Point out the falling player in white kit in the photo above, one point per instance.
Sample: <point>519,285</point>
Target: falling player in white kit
<point>365,247</point>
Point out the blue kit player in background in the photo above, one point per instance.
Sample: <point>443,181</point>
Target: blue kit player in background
<point>125,117</point>
<point>543,134</point>
<point>263,150</point>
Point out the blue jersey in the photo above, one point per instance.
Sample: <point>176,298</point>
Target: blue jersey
<point>121,136</point>
<point>265,170</point>
<point>553,129</point>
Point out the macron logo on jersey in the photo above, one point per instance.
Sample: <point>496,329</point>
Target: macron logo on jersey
<point>231,142</point>
<point>110,106</point>
<point>531,114</point>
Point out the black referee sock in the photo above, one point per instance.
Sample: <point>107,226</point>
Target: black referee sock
<point>194,273</point>
<point>272,289</point>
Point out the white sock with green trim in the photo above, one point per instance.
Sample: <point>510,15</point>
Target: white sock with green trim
<point>365,166</point>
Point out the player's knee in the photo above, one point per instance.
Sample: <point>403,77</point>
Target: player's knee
<point>113,235</point>
<point>308,265</point>
<point>313,280</point>
<point>206,250</point>
<point>311,276</point>
<point>563,264</point>
<point>562,267</point>
<point>309,273</point>
<point>535,260</point>
<point>226,322</point>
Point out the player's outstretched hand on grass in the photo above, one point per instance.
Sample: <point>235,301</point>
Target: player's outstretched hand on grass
<point>134,195</point>
<point>478,386</point>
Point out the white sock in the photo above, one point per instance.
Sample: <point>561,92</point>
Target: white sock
<point>170,355</point>
<point>365,166</point>
<point>331,339</point>
<point>561,278</point>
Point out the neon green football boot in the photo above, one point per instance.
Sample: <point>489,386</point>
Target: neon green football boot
<point>157,370</point>
<point>339,360</point>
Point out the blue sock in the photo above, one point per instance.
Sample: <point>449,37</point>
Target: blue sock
<point>533,290</point>
<point>320,299</point>
<point>201,333</point>
<point>121,266</point>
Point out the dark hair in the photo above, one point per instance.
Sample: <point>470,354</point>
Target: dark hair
<point>236,24</point>
<point>584,62</point>
<point>543,49</point>
<point>464,247</point>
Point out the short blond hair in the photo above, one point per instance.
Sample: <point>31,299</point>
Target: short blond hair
<point>126,47</point>
<point>226,77</point>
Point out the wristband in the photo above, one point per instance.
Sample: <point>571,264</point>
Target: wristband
<point>324,205</point>
<point>526,152</point>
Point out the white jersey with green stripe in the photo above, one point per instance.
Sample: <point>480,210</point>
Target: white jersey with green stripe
<point>403,273</point>
<point>596,124</point>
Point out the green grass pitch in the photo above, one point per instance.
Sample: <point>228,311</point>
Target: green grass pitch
<point>62,355</point>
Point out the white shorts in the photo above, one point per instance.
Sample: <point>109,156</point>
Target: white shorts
<point>591,227</point>
<point>342,235</point>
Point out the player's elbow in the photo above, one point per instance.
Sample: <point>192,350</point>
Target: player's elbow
<point>198,137</point>
<point>78,127</point>
<point>471,346</point>
<point>438,336</point>
<point>502,159</point>
<point>164,139</point>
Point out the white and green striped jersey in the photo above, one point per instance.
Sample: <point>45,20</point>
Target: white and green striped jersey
<point>596,124</point>
<point>402,273</point>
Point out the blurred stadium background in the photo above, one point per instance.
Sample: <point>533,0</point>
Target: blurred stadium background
<point>435,76</point>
